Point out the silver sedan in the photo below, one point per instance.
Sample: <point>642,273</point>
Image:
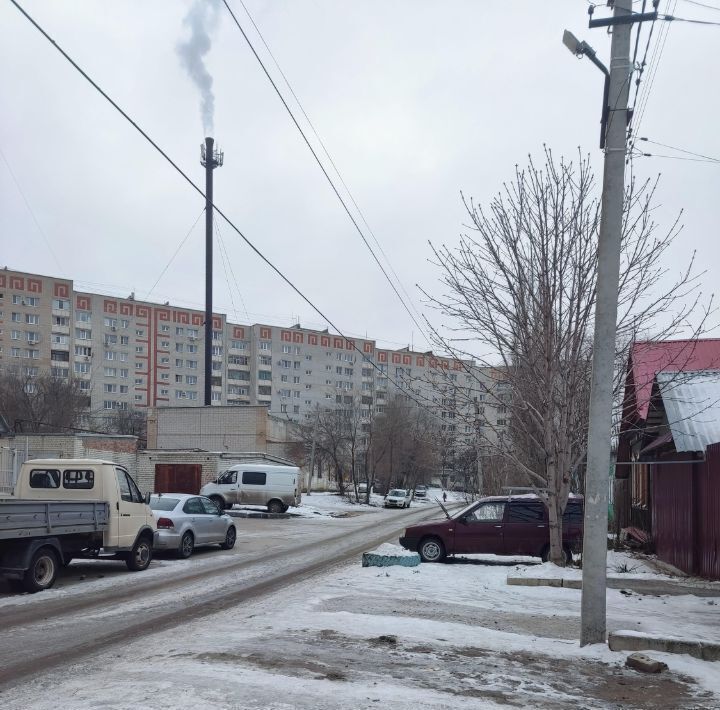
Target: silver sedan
<point>187,521</point>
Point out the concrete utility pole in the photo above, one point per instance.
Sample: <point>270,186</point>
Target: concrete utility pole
<point>593,611</point>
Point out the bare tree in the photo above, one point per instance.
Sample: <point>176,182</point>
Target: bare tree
<point>521,285</point>
<point>41,402</point>
<point>126,421</point>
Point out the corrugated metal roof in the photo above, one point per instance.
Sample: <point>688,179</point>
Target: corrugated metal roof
<point>647,358</point>
<point>692,405</point>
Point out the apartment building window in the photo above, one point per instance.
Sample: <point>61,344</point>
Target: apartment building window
<point>217,350</point>
<point>178,330</point>
<point>193,348</point>
<point>264,375</point>
<point>139,332</point>
<point>138,366</point>
<point>265,345</point>
<point>283,408</point>
<point>238,344</point>
<point>180,394</point>
<point>307,387</point>
<point>367,385</point>
<point>501,422</point>
<point>31,371</point>
<point>164,392</point>
<point>264,390</point>
<point>308,372</point>
<point>85,385</point>
<point>34,319</point>
<point>25,300</point>
<point>296,394</point>
<point>59,355</point>
<point>308,357</point>
<point>125,324</point>
<point>60,372</point>
<point>178,378</point>
<point>82,316</point>
<point>349,371</point>
<point>238,375</point>
<point>328,395</point>
<point>179,347</point>
<point>285,363</point>
<point>164,328</point>
<point>110,322</point>
<point>165,376</point>
<point>284,393</point>
<point>29,387</point>
<point>110,339</point>
<point>15,352</point>
<point>81,368</point>
<point>109,355</point>
<point>296,409</point>
<point>123,357</point>
<point>296,380</point>
<point>215,396</point>
<point>16,318</point>
<point>191,394</point>
<point>110,372</point>
<point>192,332</point>
<point>328,382</point>
<point>138,380</point>
<point>124,340</point>
<point>165,360</point>
<point>237,360</point>
<point>15,334</point>
<point>178,362</point>
<point>217,335</point>
<point>338,370</point>
<point>286,349</point>
<point>283,378</point>
<point>111,388</point>
<point>165,344</point>
<point>217,366</point>
<point>192,364</point>
<point>328,368</point>
<point>124,372</point>
<point>191,379</point>
<point>297,349</point>
<point>61,304</point>
<point>138,397</point>
<point>82,334</point>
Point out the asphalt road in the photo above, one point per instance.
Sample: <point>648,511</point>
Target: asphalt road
<point>99,604</point>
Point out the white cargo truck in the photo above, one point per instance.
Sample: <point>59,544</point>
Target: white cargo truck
<point>67,508</point>
<point>276,487</point>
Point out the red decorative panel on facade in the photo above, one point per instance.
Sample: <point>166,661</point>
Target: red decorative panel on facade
<point>197,319</point>
<point>109,306</point>
<point>298,338</point>
<point>312,340</point>
<point>324,341</point>
<point>457,365</point>
<point>337,343</point>
<point>265,333</point>
<point>17,282</point>
<point>181,317</point>
<point>82,303</point>
<point>396,358</point>
<point>142,311</point>
<point>162,313</point>
<point>217,322</point>
<point>382,357</point>
<point>286,336</point>
<point>350,344</point>
<point>59,290</point>
<point>238,332</point>
<point>126,309</point>
<point>2,280</point>
<point>35,286</point>
<point>433,362</point>
<point>407,360</point>
<point>367,347</point>
<point>420,361</point>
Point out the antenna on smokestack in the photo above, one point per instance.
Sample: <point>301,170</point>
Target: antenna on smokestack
<point>210,158</point>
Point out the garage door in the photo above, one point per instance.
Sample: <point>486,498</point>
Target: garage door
<point>177,477</point>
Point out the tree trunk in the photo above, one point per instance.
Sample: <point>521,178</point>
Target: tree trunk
<point>555,529</point>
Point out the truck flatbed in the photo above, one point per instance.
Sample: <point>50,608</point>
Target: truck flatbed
<point>34,518</point>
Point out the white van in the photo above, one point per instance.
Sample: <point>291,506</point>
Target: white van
<point>276,487</point>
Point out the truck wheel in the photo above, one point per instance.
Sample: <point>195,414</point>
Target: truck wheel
<point>230,538</point>
<point>275,506</point>
<point>187,543</point>
<point>431,550</point>
<point>140,556</point>
<point>42,571</point>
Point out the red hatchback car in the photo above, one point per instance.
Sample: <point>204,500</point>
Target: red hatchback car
<point>508,525</point>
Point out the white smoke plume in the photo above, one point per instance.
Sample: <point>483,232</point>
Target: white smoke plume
<point>201,20</point>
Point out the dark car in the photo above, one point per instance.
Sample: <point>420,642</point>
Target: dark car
<point>507,525</point>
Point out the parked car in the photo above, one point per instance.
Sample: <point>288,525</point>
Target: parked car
<point>362,487</point>
<point>503,525</point>
<point>276,487</point>
<point>421,491</point>
<point>185,522</point>
<point>397,498</point>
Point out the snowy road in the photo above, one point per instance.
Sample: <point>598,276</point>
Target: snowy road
<point>98,605</point>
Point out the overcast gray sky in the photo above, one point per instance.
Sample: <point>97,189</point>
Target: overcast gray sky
<point>416,101</point>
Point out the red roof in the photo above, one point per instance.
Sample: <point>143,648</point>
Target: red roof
<point>650,357</point>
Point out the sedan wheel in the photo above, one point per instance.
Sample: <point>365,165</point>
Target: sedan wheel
<point>230,538</point>
<point>187,544</point>
<point>431,550</point>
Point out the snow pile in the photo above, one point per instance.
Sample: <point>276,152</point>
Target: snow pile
<point>391,550</point>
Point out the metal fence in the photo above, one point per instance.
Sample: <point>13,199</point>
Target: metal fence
<point>8,469</point>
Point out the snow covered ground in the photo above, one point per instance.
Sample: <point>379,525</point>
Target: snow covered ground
<point>435,636</point>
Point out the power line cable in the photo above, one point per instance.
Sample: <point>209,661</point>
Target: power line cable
<point>187,179</point>
<point>30,210</point>
<point>672,18</point>
<point>322,167</point>
<point>177,251</point>
<point>229,272</point>
<point>681,150</point>
<point>703,4</point>
<point>330,158</point>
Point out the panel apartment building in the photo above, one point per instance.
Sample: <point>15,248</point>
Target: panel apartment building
<point>128,353</point>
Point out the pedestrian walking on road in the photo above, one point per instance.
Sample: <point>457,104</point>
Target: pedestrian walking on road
<point>444,497</point>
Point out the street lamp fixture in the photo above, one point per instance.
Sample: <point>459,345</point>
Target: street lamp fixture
<point>582,49</point>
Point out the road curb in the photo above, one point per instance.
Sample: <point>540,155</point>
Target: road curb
<point>635,641</point>
<point>640,586</point>
<point>545,582</point>
<point>258,514</point>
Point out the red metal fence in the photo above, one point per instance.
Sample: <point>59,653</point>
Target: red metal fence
<point>707,500</point>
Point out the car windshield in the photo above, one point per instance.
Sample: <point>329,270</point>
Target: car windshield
<point>163,503</point>
<point>397,492</point>
<point>462,512</point>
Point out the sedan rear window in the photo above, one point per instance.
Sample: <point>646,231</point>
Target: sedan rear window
<point>398,492</point>
<point>163,503</point>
